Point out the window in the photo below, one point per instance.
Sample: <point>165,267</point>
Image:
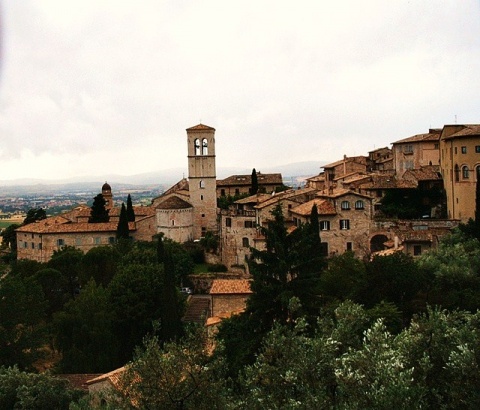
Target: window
<point>237,191</point>
<point>457,173</point>
<point>477,149</point>
<point>465,172</point>
<point>344,224</point>
<point>345,205</point>
<point>60,242</point>
<point>25,245</point>
<point>197,146</point>
<point>97,240</point>
<point>349,246</point>
<point>78,241</point>
<point>436,145</point>
<point>173,222</point>
<point>245,242</point>
<point>464,150</point>
<point>417,250</point>
<point>248,224</point>
<point>204,147</point>
<point>40,246</point>
<point>228,222</point>
<point>201,197</point>
<point>359,204</point>
<point>202,184</point>
<point>33,245</point>
<point>222,192</point>
<point>324,225</point>
<point>408,149</point>
<point>203,215</point>
<point>111,240</point>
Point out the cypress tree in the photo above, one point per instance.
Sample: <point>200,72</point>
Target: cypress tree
<point>130,211</point>
<point>122,227</point>
<point>98,212</point>
<point>254,187</point>
<point>171,325</point>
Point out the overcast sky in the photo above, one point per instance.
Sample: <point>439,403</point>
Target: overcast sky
<point>102,87</point>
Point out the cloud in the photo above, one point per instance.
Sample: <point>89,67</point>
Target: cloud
<point>117,82</point>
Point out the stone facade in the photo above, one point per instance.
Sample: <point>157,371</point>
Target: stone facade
<point>460,168</point>
<point>228,296</point>
<point>417,151</point>
<point>241,184</point>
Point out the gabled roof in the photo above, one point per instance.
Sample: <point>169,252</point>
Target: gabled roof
<point>289,194</point>
<point>337,193</point>
<point>201,127</point>
<point>426,173</point>
<point>181,185</point>
<point>263,179</point>
<point>429,136</point>
<point>466,130</point>
<point>230,286</point>
<point>323,207</point>
<point>174,202</point>
<point>253,199</point>
<point>359,160</point>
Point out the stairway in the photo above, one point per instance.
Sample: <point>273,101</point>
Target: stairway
<point>198,309</point>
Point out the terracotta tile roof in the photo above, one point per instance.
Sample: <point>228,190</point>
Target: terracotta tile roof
<point>201,127</point>
<point>181,185</point>
<point>78,381</point>
<point>174,202</point>
<point>429,136</point>
<point>113,377</point>
<point>359,159</point>
<point>466,131</point>
<point>426,173</point>
<point>323,207</point>
<point>253,199</point>
<point>289,194</point>
<point>56,224</point>
<point>230,286</point>
<point>317,178</point>
<point>263,179</point>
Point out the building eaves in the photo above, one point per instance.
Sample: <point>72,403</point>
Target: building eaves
<point>174,202</point>
<point>468,131</point>
<point>230,286</point>
<point>201,127</point>
<point>324,208</point>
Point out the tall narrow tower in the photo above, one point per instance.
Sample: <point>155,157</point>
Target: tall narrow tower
<point>202,179</point>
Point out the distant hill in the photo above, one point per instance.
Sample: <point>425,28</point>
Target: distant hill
<point>162,177</point>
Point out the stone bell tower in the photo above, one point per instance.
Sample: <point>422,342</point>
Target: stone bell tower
<point>202,179</point>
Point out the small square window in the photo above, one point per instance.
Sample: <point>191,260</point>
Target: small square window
<point>477,149</point>
<point>464,150</point>
<point>417,250</point>
<point>324,225</point>
<point>344,224</point>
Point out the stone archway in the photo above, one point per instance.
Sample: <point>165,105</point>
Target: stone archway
<point>377,243</point>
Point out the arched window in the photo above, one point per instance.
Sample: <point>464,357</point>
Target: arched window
<point>465,172</point>
<point>359,204</point>
<point>457,173</point>
<point>204,147</point>
<point>202,184</point>
<point>197,146</point>
<point>345,205</point>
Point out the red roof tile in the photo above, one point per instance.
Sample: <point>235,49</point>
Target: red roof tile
<point>230,286</point>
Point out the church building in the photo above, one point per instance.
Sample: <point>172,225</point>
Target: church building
<point>188,210</point>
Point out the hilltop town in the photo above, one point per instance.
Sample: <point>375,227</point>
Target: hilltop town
<point>401,198</point>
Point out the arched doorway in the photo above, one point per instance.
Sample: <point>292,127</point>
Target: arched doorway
<point>377,243</point>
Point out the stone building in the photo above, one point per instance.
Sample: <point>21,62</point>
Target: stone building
<point>39,240</point>
<point>189,209</point>
<point>417,151</point>
<point>460,168</point>
<point>229,296</point>
<point>241,184</point>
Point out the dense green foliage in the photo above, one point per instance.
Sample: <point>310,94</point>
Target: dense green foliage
<point>34,214</point>
<point>340,333</point>
<point>28,391</point>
